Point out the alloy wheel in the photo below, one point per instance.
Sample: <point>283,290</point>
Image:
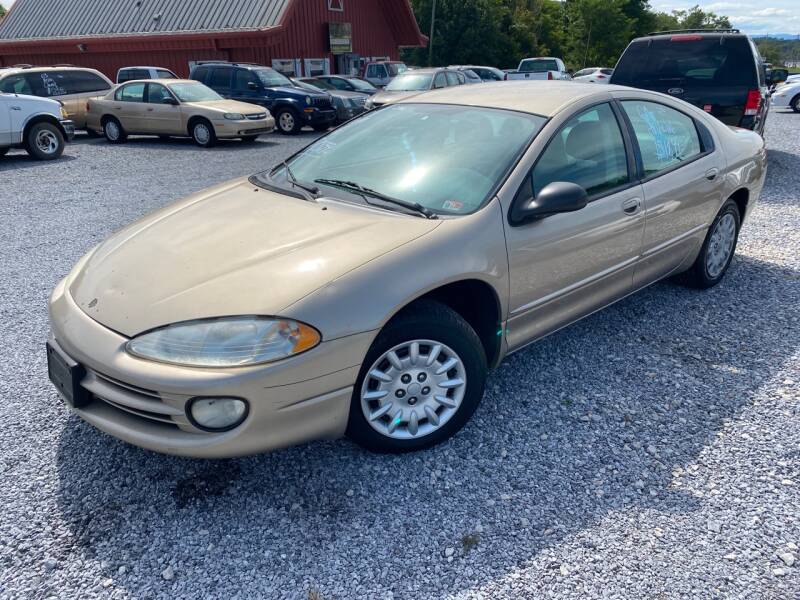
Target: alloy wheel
<point>413,389</point>
<point>286,121</point>
<point>47,142</point>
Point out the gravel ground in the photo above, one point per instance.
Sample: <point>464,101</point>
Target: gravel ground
<point>650,451</point>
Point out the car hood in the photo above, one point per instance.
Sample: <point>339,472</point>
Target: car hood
<point>385,97</point>
<point>229,106</point>
<point>232,250</point>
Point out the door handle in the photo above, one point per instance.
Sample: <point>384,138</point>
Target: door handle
<point>632,207</point>
<point>711,174</point>
<point>16,108</point>
<point>150,109</point>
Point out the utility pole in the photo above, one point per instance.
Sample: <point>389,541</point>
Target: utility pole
<point>430,37</point>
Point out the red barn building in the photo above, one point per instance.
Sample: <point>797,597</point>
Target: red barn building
<point>302,37</point>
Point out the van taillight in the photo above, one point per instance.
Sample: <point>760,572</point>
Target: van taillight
<point>549,76</point>
<point>686,38</point>
<point>753,104</point>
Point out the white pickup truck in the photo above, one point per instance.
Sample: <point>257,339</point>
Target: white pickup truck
<point>39,125</point>
<point>543,67</point>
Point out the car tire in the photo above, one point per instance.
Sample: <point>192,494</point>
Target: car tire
<point>288,121</point>
<point>404,414</point>
<point>795,103</point>
<point>45,141</point>
<point>203,133</point>
<point>113,131</point>
<point>249,139</point>
<point>718,250</point>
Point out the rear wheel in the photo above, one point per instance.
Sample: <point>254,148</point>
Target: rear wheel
<point>795,103</point>
<point>717,251</point>
<point>113,131</point>
<point>45,141</point>
<point>203,133</point>
<point>420,382</point>
<point>288,121</point>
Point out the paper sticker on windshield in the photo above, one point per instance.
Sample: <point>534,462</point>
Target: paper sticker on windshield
<point>453,205</point>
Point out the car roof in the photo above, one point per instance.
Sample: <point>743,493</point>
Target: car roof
<point>38,69</point>
<point>709,33</point>
<point>146,67</point>
<point>545,98</point>
<point>161,81</point>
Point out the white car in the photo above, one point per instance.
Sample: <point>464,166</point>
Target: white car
<point>543,67</point>
<point>135,73</point>
<point>787,96</point>
<point>39,125</point>
<point>593,75</point>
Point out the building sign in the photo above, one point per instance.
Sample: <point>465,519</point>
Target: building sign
<point>341,36</point>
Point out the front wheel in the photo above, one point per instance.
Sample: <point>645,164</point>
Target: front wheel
<point>420,382</point>
<point>113,131</point>
<point>288,122</point>
<point>203,134</point>
<point>45,142</point>
<point>795,103</point>
<point>718,249</point>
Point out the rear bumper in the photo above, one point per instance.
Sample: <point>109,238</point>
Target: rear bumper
<point>144,403</point>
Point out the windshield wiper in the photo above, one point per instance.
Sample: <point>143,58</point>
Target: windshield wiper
<point>365,191</point>
<point>312,191</point>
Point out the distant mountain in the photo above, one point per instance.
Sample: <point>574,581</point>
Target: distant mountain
<point>778,36</point>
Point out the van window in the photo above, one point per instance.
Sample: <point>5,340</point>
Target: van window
<point>16,84</point>
<point>589,150</point>
<point>666,137</point>
<point>164,74</point>
<point>687,59</point>
<point>82,82</point>
<point>220,78</point>
<point>51,83</point>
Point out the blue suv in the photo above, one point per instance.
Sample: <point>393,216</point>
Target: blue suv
<point>292,107</point>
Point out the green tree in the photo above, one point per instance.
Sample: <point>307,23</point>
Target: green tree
<point>598,32</point>
<point>2,11</point>
<point>693,18</point>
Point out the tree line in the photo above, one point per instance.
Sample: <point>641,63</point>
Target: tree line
<point>585,33</point>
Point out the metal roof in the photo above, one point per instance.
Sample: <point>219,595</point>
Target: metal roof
<point>53,19</point>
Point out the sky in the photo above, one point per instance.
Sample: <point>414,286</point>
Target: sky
<point>765,16</point>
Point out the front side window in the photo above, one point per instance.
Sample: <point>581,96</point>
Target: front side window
<point>156,94</point>
<point>372,71</point>
<point>413,82</point>
<point>52,83</point>
<point>243,79</point>
<point>666,137</point>
<point>194,92</point>
<point>133,92</point>
<point>589,151</point>
<point>447,158</point>
<point>16,84</point>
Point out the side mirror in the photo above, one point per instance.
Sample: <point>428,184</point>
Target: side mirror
<point>170,100</point>
<point>557,197</point>
<point>252,85</point>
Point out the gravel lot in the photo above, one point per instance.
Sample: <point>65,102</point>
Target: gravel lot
<point>650,451</point>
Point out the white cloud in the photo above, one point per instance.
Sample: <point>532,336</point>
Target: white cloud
<point>779,16</point>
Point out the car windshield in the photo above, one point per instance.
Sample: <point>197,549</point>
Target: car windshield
<point>412,82</point>
<point>271,78</point>
<point>194,92</point>
<point>538,66</point>
<point>448,159</point>
<point>396,69</point>
<point>362,86</point>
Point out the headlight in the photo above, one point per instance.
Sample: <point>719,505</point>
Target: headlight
<point>64,113</point>
<point>308,100</point>
<point>369,104</point>
<point>217,414</point>
<point>234,116</point>
<point>225,342</point>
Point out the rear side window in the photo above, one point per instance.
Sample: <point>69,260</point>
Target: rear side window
<point>440,81</point>
<point>589,151</point>
<point>51,83</point>
<point>133,92</point>
<point>452,79</point>
<point>220,78</point>
<point>82,82</point>
<point>687,59</point>
<point>200,73</point>
<point>666,136</point>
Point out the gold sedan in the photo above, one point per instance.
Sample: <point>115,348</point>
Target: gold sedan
<point>175,108</point>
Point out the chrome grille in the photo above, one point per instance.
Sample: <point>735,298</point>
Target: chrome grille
<point>257,116</point>
<point>321,103</point>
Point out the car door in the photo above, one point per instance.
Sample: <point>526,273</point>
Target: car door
<point>568,265</point>
<point>162,113</point>
<point>682,182</point>
<point>129,107</point>
<point>219,80</point>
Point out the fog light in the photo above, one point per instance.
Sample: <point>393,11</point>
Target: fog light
<point>217,414</point>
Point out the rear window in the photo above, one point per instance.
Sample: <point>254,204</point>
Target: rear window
<point>132,74</point>
<point>538,66</point>
<point>687,59</point>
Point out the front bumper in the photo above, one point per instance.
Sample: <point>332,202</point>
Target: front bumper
<point>69,129</point>
<point>142,402</point>
<point>234,129</point>
<point>320,117</point>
